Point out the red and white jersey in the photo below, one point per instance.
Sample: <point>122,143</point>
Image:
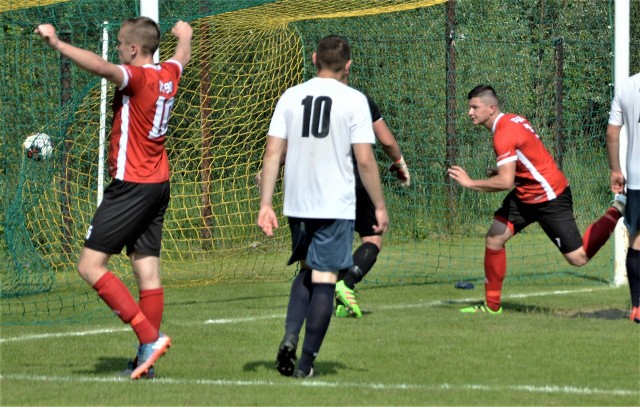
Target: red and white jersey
<point>538,178</point>
<point>141,108</point>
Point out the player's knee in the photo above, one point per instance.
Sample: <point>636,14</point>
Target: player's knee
<point>577,259</point>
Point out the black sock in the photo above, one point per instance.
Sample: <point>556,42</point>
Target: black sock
<point>633,274</point>
<point>364,258</point>
<point>317,323</point>
<point>298,303</point>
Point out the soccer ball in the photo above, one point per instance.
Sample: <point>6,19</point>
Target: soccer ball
<point>38,146</point>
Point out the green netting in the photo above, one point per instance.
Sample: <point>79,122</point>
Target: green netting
<point>550,61</point>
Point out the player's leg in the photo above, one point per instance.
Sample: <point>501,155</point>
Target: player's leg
<point>144,254</point>
<point>632,222</point>
<point>330,251</point>
<point>299,297</point>
<point>107,235</point>
<point>364,256</point>
<point>92,268</point>
<point>561,227</point>
<point>495,262</point>
<point>633,275</point>
<point>508,220</point>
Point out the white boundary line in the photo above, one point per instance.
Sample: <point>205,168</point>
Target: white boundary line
<point>325,384</point>
<point>318,383</point>
<point>277,316</point>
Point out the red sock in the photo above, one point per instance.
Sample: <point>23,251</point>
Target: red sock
<point>495,268</point>
<point>152,305</point>
<point>598,232</point>
<point>119,299</point>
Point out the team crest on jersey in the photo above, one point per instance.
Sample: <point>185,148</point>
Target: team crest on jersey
<point>166,87</point>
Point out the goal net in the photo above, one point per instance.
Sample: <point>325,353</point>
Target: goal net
<point>417,59</point>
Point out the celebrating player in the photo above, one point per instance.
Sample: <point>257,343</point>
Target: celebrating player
<point>540,193</point>
<point>323,123</point>
<point>625,110</point>
<point>131,214</point>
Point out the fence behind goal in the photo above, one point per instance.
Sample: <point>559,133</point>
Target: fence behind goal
<point>550,62</point>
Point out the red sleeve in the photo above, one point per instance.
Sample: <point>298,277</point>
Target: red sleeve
<point>504,144</point>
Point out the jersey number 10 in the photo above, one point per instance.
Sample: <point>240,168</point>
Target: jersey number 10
<point>320,107</point>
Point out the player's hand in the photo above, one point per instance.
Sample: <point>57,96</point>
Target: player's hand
<point>382,217</point>
<point>267,220</point>
<point>48,34</point>
<point>182,29</point>
<point>401,171</point>
<point>617,182</point>
<point>459,175</point>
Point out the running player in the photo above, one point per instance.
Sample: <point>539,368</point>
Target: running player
<point>539,193</point>
<point>132,212</point>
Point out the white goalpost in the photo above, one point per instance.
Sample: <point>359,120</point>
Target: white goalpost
<point>621,72</point>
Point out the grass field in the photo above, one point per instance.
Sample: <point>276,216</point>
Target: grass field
<point>567,345</point>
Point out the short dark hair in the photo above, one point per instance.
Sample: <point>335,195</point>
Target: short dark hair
<point>145,31</point>
<point>483,91</point>
<point>333,53</point>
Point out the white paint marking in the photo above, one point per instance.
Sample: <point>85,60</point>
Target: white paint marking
<point>324,384</point>
<point>238,320</point>
<point>274,316</point>
<point>63,334</point>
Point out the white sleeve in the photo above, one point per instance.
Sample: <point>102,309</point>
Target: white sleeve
<point>278,126</point>
<point>361,125</point>
<point>615,114</point>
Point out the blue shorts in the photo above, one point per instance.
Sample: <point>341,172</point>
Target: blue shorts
<point>323,244</point>
<point>632,211</point>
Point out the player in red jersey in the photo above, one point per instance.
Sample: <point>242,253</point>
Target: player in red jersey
<point>131,214</point>
<point>539,193</point>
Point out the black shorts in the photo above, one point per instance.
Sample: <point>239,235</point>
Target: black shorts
<point>365,213</point>
<point>555,217</point>
<point>324,244</point>
<point>131,215</point>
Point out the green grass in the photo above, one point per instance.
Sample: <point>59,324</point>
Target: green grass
<point>552,346</point>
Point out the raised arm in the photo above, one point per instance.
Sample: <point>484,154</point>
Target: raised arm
<point>87,60</point>
<point>183,32</point>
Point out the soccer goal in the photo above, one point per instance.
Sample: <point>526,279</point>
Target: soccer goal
<point>549,61</point>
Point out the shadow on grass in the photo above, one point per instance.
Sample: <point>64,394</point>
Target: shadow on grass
<point>609,314</point>
<point>513,307</point>
<point>108,366</point>
<point>322,368</point>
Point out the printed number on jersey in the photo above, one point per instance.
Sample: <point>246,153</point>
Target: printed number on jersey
<point>317,113</point>
<point>161,118</point>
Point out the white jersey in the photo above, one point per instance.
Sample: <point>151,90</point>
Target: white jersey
<point>321,119</point>
<point>625,109</point>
